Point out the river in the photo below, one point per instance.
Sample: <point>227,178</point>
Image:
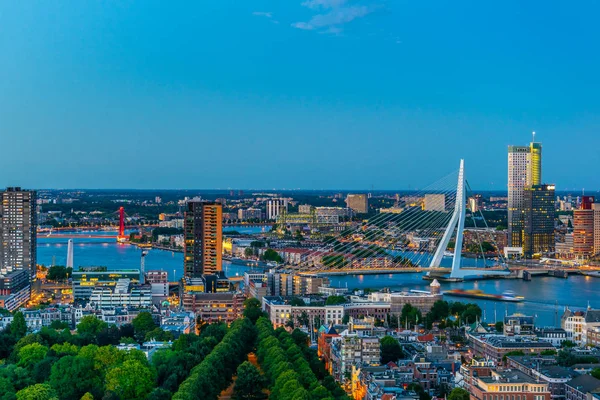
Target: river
<point>545,297</point>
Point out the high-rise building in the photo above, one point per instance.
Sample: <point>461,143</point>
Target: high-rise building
<point>583,229</point>
<point>358,202</point>
<point>18,230</point>
<point>539,212</point>
<point>596,209</point>
<point>203,238</point>
<point>517,180</point>
<point>276,207</point>
<point>524,170</point>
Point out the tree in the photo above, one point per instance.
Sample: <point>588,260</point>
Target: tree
<point>57,273</point>
<point>159,335</point>
<point>410,315</point>
<point>335,300</point>
<point>142,324</point>
<point>499,326</point>
<point>595,373</point>
<point>568,343</point>
<point>249,383</point>
<point>459,394</point>
<point>18,326</point>
<point>90,325</point>
<point>252,309</point>
<point>272,255</point>
<point>297,302</point>
<point>548,352</point>
<point>59,325</point>
<point>390,350</point>
<point>7,389</point>
<point>87,396</point>
<point>31,354</point>
<point>37,392</point>
<point>248,251</point>
<point>131,380</point>
<point>72,377</point>
<point>303,319</point>
<point>513,353</point>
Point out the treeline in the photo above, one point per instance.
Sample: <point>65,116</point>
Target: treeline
<point>215,372</point>
<point>293,370</point>
<point>56,364</point>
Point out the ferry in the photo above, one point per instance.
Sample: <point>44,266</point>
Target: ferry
<point>595,274</point>
<point>508,296</point>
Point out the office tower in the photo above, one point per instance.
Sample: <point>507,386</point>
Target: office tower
<point>18,230</point>
<point>524,170</point>
<point>517,180</point>
<point>475,203</point>
<point>358,202</point>
<point>203,238</point>
<point>434,202</point>
<point>275,207</point>
<point>583,229</point>
<point>538,232</point>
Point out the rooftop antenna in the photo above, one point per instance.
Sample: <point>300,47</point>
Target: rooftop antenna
<point>533,134</point>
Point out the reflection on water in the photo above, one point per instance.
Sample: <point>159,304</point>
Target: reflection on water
<point>546,297</point>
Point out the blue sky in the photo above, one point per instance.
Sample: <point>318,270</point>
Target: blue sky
<point>295,94</point>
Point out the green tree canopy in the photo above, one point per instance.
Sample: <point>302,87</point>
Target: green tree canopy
<point>390,349</point>
<point>90,325</point>
<point>131,380</point>
<point>72,377</point>
<point>249,383</point>
<point>335,300</point>
<point>18,327</point>
<point>142,324</point>
<point>31,354</point>
<point>37,392</point>
<point>459,394</point>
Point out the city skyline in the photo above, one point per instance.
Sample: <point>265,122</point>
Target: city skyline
<point>336,94</point>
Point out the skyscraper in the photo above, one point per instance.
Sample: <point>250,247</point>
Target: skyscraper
<point>524,171</point>
<point>203,238</point>
<point>583,228</point>
<point>18,231</point>
<point>538,232</point>
<point>517,180</point>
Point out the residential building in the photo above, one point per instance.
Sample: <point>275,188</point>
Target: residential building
<point>305,208</point>
<point>434,202</point>
<point>306,284</point>
<point>18,222</point>
<point>281,311</point>
<point>123,293</point>
<point>86,279</point>
<point>539,213</point>
<point>276,207</point>
<point>556,336</point>
<point>214,307</point>
<point>596,209</point>
<point>359,203</point>
<point>517,180</point>
<point>495,347</point>
<point>583,229</point>
<point>249,213</point>
<point>543,369</point>
<point>519,325</point>
<point>582,386</point>
<point>352,350</point>
<point>508,384</point>
<point>577,324</point>
<point>15,289</point>
<point>159,282</point>
<point>203,238</point>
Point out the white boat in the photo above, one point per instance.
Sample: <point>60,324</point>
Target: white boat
<point>448,254</point>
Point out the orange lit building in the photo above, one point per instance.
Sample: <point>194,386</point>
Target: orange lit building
<point>583,229</point>
<point>203,238</point>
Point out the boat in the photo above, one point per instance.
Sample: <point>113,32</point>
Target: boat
<point>448,254</point>
<point>508,296</point>
<point>595,274</point>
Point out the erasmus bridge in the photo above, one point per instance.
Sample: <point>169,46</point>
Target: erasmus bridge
<point>416,237</point>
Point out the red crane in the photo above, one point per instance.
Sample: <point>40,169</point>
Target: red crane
<point>121,237</point>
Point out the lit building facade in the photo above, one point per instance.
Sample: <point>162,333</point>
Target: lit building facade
<point>583,229</point>
<point>203,238</point>
<point>538,233</point>
<point>517,180</point>
<point>18,219</point>
<point>276,207</point>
